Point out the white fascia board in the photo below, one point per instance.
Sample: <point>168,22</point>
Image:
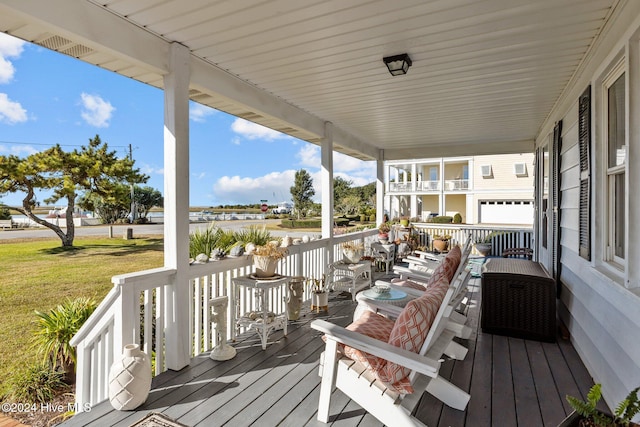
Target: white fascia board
<point>452,150</point>
<point>85,23</point>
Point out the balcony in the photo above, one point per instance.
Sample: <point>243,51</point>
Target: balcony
<point>421,186</point>
<point>511,382</point>
<point>456,184</point>
<point>507,378</point>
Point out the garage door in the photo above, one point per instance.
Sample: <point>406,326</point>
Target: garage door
<point>506,212</point>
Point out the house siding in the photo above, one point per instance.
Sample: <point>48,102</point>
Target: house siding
<point>601,314</point>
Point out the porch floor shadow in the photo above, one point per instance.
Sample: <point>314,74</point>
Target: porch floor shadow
<point>512,382</point>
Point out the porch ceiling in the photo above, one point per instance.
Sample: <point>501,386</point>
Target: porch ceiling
<point>485,74</point>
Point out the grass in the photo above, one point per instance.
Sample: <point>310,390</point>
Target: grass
<point>38,274</point>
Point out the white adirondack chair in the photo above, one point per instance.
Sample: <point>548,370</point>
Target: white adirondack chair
<point>361,384</point>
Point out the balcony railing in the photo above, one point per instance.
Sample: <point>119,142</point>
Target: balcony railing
<point>136,310</point>
<point>456,184</point>
<point>420,186</point>
<point>139,306</point>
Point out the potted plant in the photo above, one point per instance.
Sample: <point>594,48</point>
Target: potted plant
<point>586,415</point>
<point>441,242</point>
<point>266,257</point>
<point>352,251</point>
<point>404,221</point>
<point>383,233</point>
<point>484,246</point>
<point>319,294</point>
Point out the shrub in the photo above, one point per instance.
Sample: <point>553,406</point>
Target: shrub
<point>257,235</point>
<point>442,219</point>
<point>303,223</point>
<point>363,218</point>
<point>372,218</point>
<point>55,329</point>
<point>341,222</point>
<point>457,219</point>
<point>35,384</point>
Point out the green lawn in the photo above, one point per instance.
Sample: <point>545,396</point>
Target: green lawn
<point>38,274</point>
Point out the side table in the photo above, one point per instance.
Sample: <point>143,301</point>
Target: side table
<point>261,322</point>
<point>350,277</point>
<point>393,297</point>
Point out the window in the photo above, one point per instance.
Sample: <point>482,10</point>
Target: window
<point>485,171</point>
<point>616,169</point>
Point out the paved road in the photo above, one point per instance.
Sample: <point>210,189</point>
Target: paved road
<point>146,229</point>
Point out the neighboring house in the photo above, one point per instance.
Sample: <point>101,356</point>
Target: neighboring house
<point>496,189</point>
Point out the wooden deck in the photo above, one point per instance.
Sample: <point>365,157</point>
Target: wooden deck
<point>513,382</point>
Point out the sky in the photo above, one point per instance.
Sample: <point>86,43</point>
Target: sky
<point>47,98</point>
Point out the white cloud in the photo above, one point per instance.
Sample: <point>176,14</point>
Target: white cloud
<point>11,112</point>
<point>309,156</point>
<point>147,169</point>
<point>198,112</point>
<point>199,175</point>
<point>272,187</point>
<point>95,110</point>
<point>10,47</point>
<point>18,150</point>
<point>252,130</point>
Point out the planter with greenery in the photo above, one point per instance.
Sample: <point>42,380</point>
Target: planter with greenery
<point>586,415</point>
<point>383,232</point>
<point>441,242</point>
<point>266,258</point>
<point>319,293</point>
<point>352,251</point>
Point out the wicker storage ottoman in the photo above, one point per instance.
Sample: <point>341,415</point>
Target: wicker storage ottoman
<point>518,299</point>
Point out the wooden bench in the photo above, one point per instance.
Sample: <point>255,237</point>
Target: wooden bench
<point>6,223</point>
<point>518,299</point>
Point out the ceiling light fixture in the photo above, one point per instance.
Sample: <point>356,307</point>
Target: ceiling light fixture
<point>398,64</point>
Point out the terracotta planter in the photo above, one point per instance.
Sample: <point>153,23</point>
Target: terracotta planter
<point>383,238</point>
<point>440,245</point>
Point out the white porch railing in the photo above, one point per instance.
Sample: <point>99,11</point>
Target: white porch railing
<point>134,310</point>
<point>502,237</point>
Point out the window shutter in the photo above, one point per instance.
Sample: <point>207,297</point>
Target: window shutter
<point>584,142</point>
<point>556,197</point>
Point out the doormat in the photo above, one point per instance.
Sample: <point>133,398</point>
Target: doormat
<point>157,420</point>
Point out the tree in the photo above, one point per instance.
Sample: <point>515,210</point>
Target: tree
<point>341,189</point>
<point>302,191</point>
<point>109,209</point>
<point>349,205</point>
<point>92,169</point>
<point>146,198</point>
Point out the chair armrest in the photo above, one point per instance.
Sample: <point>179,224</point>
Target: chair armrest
<point>400,356</point>
<point>405,272</point>
<point>380,307</point>
<point>428,256</point>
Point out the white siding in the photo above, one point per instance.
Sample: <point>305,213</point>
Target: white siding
<point>602,315</point>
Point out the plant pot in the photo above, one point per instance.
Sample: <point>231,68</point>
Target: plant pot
<point>265,266</point>
<point>440,245</point>
<point>320,301</point>
<point>483,249</point>
<point>383,238</point>
<point>574,419</point>
<point>404,222</point>
<point>352,256</point>
<point>130,379</point>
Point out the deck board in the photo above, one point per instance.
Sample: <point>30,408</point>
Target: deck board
<point>512,382</point>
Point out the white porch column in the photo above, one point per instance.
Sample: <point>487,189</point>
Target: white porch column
<point>413,177</point>
<point>413,206</point>
<point>380,193</point>
<point>176,205</point>
<point>327,186</point>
